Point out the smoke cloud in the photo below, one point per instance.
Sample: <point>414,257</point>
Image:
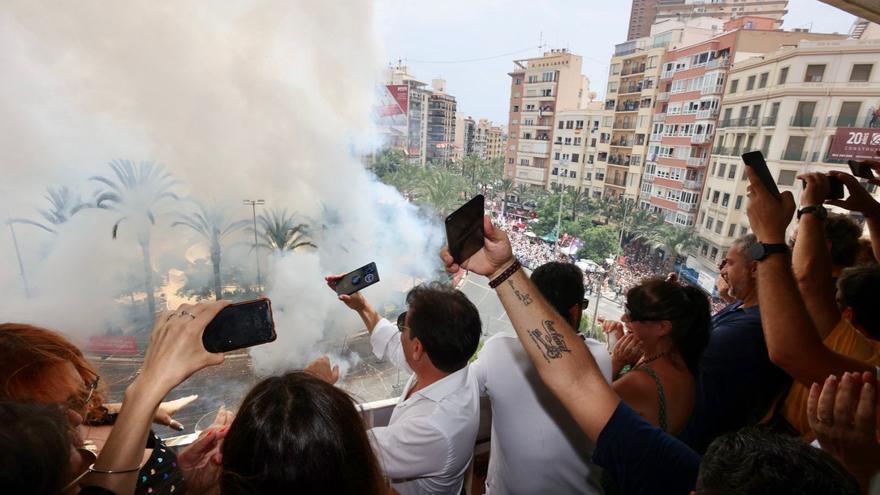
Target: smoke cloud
<point>267,99</point>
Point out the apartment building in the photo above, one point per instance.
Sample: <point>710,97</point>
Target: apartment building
<point>538,88</point>
<point>496,139</point>
<point>441,124</point>
<point>403,118</point>
<point>687,110</point>
<point>721,9</point>
<point>573,161</point>
<point>788,104</point>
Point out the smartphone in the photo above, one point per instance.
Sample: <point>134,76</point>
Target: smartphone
<point>755,160</point>
<point>240,325</point>
<point>464,229</point>
<point>836,188</point>
<point>361,278</point>
<point>860,170</point>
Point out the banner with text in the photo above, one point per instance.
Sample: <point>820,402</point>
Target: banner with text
<point>855,143</point>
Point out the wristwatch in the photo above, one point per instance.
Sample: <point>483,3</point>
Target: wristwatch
<point>818,210</point>
<point>759,250</point>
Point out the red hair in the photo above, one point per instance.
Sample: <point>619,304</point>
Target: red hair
<point>29,359</point>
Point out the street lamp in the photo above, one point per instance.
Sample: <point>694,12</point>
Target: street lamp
<point>622,226</point>
<point>253,204</point>
<point>562,163</point>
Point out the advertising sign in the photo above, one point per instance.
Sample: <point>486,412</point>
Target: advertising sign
<point>855,143</point>
<point>113,344</point>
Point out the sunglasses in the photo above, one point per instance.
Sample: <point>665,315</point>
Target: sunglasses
<point>585,304</point>
<point>634,316</point>
<point>401,321</point>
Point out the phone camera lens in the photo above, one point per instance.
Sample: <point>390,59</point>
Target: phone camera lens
<point>369,278</point>
<point>356,279</point>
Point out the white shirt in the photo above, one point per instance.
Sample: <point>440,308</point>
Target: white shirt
<point>429,441</point>
<point>536,445</point>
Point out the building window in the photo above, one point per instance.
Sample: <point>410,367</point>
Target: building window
<point>783,75</point>
<point>714,253</point>
<point>516,108</point>
<point>733,85</point>
<point>579,124</point>
<point>722,167</point>
<point>731,174</point>
<point>556,156</point>
<point>572,174</point>
<point>725,200</point>
<point>750,83</point>
<point>731,230</point>
<point>709,223</point>
<point>718,227</point>
<point>786,177</point>
<point>517,81</point>
<point>569,124</point>
<point>555,171</point>
<point>814,73</point>
<point>715,196</point>
<point>561,125</point>
<point>861,73</point>
<point>739,202</point>
<point>762,80</point>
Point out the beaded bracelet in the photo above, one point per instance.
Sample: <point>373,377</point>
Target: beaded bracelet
<point>93,469</point>
<point>506,274</point>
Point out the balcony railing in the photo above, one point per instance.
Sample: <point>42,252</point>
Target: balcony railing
<point>712,90</point>
<point>803,122</point>
<point>639,69</point>
<point>687,207</point>
<point>667,74</point>
<point>663,96</point>
<point>622,160</point>
<point>720,150</point>
<point>628,107</point>
<point>656,137</point>
<point>696,161</point>
<point>707,114</point>
<point>648,178</point>
<point>794,155</point>
<point>769,121</point>
<point>622,143</point>
<point>618,183</point>
<point>635,88</point>
<point>624,124</point>
<point>691,185</point>
<point>847,121</point>
<point>701,138</point>
<point>718,62</point>
<point>659,117</point>
<point>609,105</point>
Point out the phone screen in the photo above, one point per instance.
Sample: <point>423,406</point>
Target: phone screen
<point>755,160</point>
<point>240,325</point>
<point>361,278</point>
<point>860,170</point>
<point>464,229</point>
<point>835,188</point>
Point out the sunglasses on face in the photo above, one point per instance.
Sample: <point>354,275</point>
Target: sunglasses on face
<point>401,321</point>
<point>634,316</point>
<point>584,304</point>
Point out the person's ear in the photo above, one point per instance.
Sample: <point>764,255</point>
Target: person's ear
<point>665,327</point>
<point>418,350</point>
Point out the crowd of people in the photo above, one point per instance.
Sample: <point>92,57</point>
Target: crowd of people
<point>774,393</point>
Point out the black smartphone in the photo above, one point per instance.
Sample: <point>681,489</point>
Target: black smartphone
<point>240,325</point>
<point>464,229</point>
<point>860,170</point>
<point>361,278</point>
<point>755,160</point>
<point>836,188</point>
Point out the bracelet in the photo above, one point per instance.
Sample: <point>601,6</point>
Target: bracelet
<point>93,469</point>
<point>505,274</point>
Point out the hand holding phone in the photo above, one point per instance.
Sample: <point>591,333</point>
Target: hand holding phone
<point>755,160</point>
<point>464,229</point>
<point>240,325</point>
<point>356,280</point>
<point>860,169</point>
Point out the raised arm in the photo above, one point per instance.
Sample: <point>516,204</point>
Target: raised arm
<point>811,260</point>
<point>563,362</point>
<point>792,340</point>
<point>356,302</point>
<point>861,201</point>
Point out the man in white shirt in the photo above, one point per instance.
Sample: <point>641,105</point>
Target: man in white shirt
<point>429,441</point>
<point>536,446</point>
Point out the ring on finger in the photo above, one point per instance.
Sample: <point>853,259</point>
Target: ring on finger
<point>187,313</point>
<point>826,421</point>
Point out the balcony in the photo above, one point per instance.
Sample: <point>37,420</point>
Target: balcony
<point>803,122</point>
<point>664,96</point>
<point>696,161</point>
<point>620,160</point>
<point>667,74</point>
<point>609,105</point>
<point>624,124</point>
<point>847,121</point>
<point>712,90</point>
<point>638,69</point>
<point>656,137</point>
<point>769,121</point>
<point>719,150</point>
<point>648,178</point>
<point>617,183</point>
<point>707,114</point>
<point>634,88</point>
<point>717,63</point>
<point>534,146</point>
<point>701,138</point>
<point>691,185</point>
<point>794,156</point>
<point>621,143</point>
<point>688,207</point>
<point>659,117</point>
<point>629,106</point>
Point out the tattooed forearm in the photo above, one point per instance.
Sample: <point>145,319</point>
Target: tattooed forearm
<point>523,297</point>
<point>550,342</point>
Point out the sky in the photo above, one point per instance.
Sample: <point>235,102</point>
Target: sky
<point>472,43</point>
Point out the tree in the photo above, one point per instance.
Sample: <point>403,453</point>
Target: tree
<point>442,190</point>
<point>599,242</point>
<point>138,192</point>
<point>579,200</point>
<point>388,161</point>
<point>504,189</point>
<point>213,225</point>
<point>678,241</point>
<point>281,232</point>
<point>63,204</point>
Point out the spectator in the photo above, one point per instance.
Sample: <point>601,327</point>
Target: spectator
<point>671,323</point>
<point>737,383</point>
<point>642,457</point>
<point>530,427</point>
<point>814,350</point>
<point>429,441</point>
<point>297,434</point>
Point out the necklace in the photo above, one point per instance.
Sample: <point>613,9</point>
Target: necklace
<point>656,357</point>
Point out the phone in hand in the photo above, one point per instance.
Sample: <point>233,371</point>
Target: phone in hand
<point>361,278</point>
<point>755,160</point>
<point>240,325</point>
<point>464,229</point>
<point>860,170</point>
<point>836,188</point>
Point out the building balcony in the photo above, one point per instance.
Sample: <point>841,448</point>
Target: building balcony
<point>667,74</point>
<point>769,121</point>
<point>707,114</point>
<point>621,144</point>
<point>720,150</point>
<point>624,124</point>
<point>534,146</point>
<point>717,63</point>
<point>803,122</point>
<point>627,108</point>
<point>659,117</point>
<point>615,183</point>
<point>664,96</point>
<point>794,156</point>
<point>712,90</point>
<point>691,185</point>
<point>696,161</point>
<point>648,178</point>
<point>701,138</point>
<point>847,121</point>
<point>636,69</point>
<point>609,105</point>
<point>687,207</point>
<point>656,137</point>
<point>623,161</point>
<point>635,88</point>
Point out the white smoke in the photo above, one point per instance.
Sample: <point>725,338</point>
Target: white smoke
<point>267,99</point>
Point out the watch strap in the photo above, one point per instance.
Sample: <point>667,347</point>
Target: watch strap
<point>819,210</point>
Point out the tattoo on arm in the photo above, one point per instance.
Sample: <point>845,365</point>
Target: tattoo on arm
<point>523,297</point>
<point>550,342</point>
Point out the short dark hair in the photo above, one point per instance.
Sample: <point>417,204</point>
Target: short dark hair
<point>844,234</point>
<point>685,306</point>
<point>858,287</point>
<point>35,446</point>
<point>754,460</point>
<point>446,323</point>
<point>561,284</point>
<point>297,434</point>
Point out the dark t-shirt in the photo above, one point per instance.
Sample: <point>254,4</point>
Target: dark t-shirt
<point>643,459</point>
<point>737,382</point>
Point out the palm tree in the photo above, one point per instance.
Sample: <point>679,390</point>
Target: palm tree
<point>579,201</point>
<point>213,225</point>
<point>281,232</point>
<point>443,190</point>
<point>138,192</point>
<point>678,241</point>
<point>63,205</point>
<point>505,188</point>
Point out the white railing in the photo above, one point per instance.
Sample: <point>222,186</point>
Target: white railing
<point>659,117</point>
<point>534,146</point>
<point>710,90</point>
<point>707,114</point>
<point>701,138</point>
<point>696,161</point>
<point>692,185</point>
<point>656,137</point>
<point>663,96</point>
<point>687,207</point>
<point>667,74</point>
<point>718,62</point>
